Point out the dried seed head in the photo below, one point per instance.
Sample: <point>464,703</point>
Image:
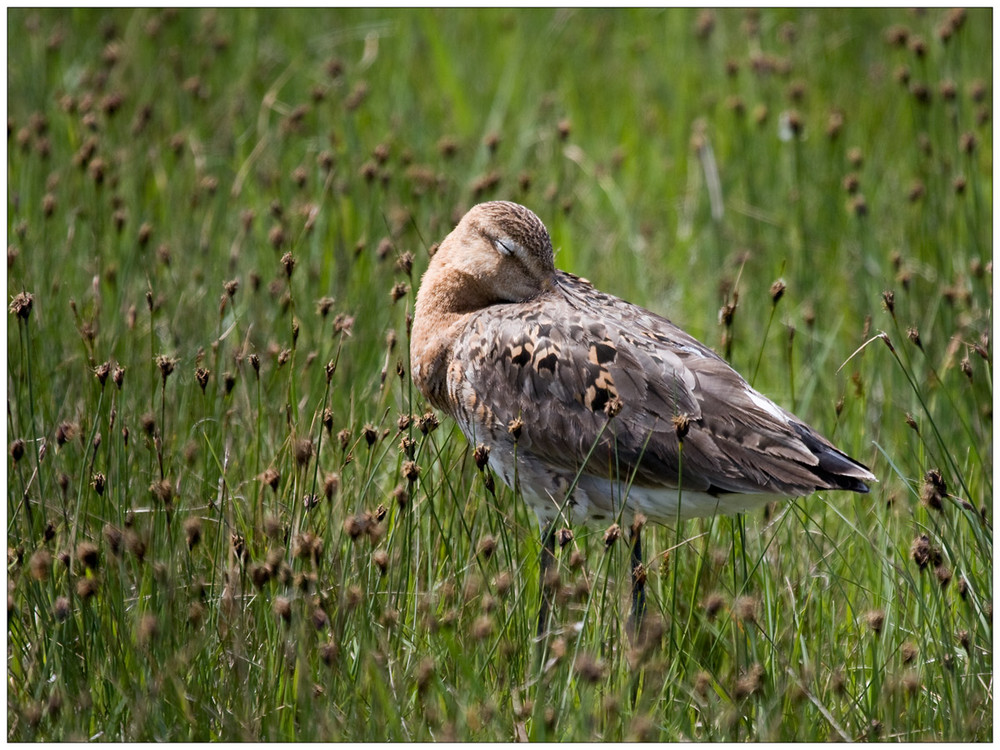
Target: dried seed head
<point>271,477</point>
<point>889,302</point>
<point>612,535</point>
<point>967,142</point>
<point>777,291</point>
<point>745,608</point>
<point>288,263</point>
<point>283,608</point>
<point>749,683</point>
<point>682,423</point>
<point>912,423</point>
<point>713,604</point>
<point>331,484</point>
<point>113,537</point>
<point>908,652</point>
<point>963,587</point>
<point>307,546</point>
<point>61,609</point>
<point>201,375</point>
<point>118,376</point>
<point>914,335</point>
<point>613,407</point>
<point>398,291</point>
<point>487,546</point>
<point>40,564</point>
<point>944,575</point>
<point>933,490</point>
<point>86,588</point>
<point>401,496</point>
<point>481,455</point>
<point>515,426</point>
<point>98,483</point>
<point>503,583</point>
<point>589,669</point>
<point>166,366</point>
<point>102,371</point>
<point>21,304</point>
<point>428,423</point>
<point>924,553</point>
<point>370,434</point>
<point>380,558</point>
<point>192,531</point>
<point>163,491</point>
<point>411,471</point>
<point>966,367</point>
<point>65,432</point>
<point>324,305</point>
<point>17,450</point>
<point>564,537</point>
<point>405,262</point>
<point>482,628</point>
<point>876,620</point>
<point>303,451</point>
<point>87,554</point>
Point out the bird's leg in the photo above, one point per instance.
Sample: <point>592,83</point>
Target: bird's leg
<point>638,578</point>
<point>545,562</point>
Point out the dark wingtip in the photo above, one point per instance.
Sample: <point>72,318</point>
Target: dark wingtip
<point>836,468</point>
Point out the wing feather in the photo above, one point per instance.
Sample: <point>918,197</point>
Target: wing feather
<point>558,360</point>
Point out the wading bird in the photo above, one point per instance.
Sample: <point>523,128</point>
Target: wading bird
<point>593,408</point>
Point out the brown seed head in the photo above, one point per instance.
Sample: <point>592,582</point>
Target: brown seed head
<point>682,423</point>
<point>201,375</point>
<point>713,604</point>
<point>304,451</point>
<point>87,554</point>
<point>924,553</point>
<point>283,608</point>
<point>944,575</point>
<point>889,301</point>
<point>933,490</point>
<point>564,537</point>
<point>612,534</point>
<point>61,609</point>
<point>192,531</point>
<point>271,477</point>
<point>21,304</point>
<point>515,426</point>
<point>428,423</point>
<point>40,564</point>
<point>481,455</point>
<point>411,471</point>
<point>749,683</point>
<point>777,291</point>
<point>102,371</point>
<point>589,668</point>
<point>745,609</point>
<point>482,628</point>
<point>876,620</point>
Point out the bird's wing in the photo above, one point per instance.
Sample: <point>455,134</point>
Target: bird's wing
<point>563,361</point>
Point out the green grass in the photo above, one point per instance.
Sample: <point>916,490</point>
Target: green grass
<point>160,588</point>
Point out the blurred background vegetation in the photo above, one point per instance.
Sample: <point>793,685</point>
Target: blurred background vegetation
<point>229,514</point>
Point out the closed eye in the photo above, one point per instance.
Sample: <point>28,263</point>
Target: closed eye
<point>505,246</point>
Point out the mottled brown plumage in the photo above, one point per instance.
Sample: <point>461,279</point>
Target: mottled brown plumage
<point>600,386</point>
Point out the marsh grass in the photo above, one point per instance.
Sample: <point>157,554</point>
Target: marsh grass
<point>231,516</point>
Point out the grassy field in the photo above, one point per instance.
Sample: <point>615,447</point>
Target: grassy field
<point>231,516</point>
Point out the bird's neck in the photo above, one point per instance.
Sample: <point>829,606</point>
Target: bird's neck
<point>444,303</point>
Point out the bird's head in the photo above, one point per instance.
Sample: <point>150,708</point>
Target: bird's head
<point>501,251</point>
